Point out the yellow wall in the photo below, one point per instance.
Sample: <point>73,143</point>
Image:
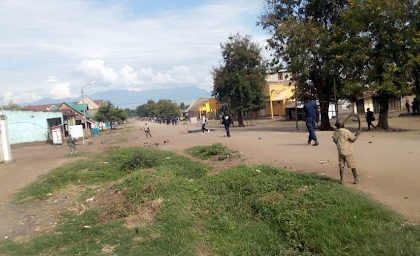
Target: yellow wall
<point>279,95</point>
<point>209,107</point>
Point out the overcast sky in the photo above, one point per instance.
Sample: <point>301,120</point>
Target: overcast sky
<point>51,48</point>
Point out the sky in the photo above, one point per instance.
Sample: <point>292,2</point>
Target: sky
<point>53,48</point>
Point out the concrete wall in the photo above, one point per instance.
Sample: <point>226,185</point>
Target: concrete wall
<point>29,126</point>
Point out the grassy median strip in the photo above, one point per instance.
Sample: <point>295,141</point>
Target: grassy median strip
<point>153,202</point>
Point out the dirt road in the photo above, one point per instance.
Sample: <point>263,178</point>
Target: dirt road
<point>388,163</point>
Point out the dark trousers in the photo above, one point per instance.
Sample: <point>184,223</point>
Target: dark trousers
<point>310,125</point>
<point>227,130</point>
<point>370,124</point>
<point>203,128</point>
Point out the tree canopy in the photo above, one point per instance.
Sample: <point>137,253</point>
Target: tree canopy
<point>358,45</point>
<point>11,106</point>
<point>239,81</point>
<point>107,112</point>
<point>383,36</point>
<point>162,108</point>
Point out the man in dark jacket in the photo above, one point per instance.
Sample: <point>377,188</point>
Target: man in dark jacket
<point>311,116</point>
<point>370,118</point>
<point>227,121</point>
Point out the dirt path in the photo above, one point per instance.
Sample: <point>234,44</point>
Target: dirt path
<point>387,162</point>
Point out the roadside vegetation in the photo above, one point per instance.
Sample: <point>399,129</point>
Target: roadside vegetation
<point>215,151</point>
<point>151,202</point>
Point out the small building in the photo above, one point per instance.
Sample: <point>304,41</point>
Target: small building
<point>92,105</point>
<point>292,108</point>
<point>74,114</point>
<point>279,91</point>
<point>204,106</point>
<point>31,126</point>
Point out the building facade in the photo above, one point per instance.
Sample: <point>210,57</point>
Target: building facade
<point>31,126</point>
<point>395,104</point>
<point>92,105</point>
<point>279,91</point>
<point>204,106</point>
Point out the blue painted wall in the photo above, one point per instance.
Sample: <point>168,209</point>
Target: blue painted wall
<point>29,126</point>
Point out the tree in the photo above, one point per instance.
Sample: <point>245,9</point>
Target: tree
<point>304,35</point>
<point>413,45</point>
<point>162,108</point>
<point>383,35</point>
<point>167,109</point>
<point>183,106</point>
<point>108,113</point>
<point>240,80</point>
<point>130,112</point>
<point>12,106</point>
<point>147,110</point>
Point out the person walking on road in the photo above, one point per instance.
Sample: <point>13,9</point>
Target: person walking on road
<point>415,106</point>
<point>147,131</point>
<point>227,121</point>
<point>71,143</point>
<point>311,116</point>
<point>369,119</point>
<point>407,106</point>
<point>203,124</point>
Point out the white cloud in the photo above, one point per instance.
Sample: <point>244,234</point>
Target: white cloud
<point>51,79</point>
<point>95,69</point>
<point>20,97</point>
<point>108,42</point>
<point>129,77</point>
<point>60,91</point>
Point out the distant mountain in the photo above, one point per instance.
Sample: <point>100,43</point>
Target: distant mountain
<point>131,99</point>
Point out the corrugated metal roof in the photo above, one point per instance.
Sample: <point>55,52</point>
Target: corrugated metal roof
<point>79,107</point>
<point>44,107</point>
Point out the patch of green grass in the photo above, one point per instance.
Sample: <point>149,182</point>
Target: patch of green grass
<point>111,166</point>
<point>245,210</point>
<point>214,151</point>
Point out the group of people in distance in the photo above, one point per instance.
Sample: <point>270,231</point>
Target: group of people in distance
<point>414,106</point>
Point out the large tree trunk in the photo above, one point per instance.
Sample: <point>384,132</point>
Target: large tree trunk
<point>325,120</point>
<point>417,90</point>
<point>383,112</point>
<point>240,119</point>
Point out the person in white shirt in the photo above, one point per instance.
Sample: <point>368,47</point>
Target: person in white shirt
<point>203,124</point>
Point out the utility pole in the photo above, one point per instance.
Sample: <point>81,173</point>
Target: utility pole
<point>84,109</point>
